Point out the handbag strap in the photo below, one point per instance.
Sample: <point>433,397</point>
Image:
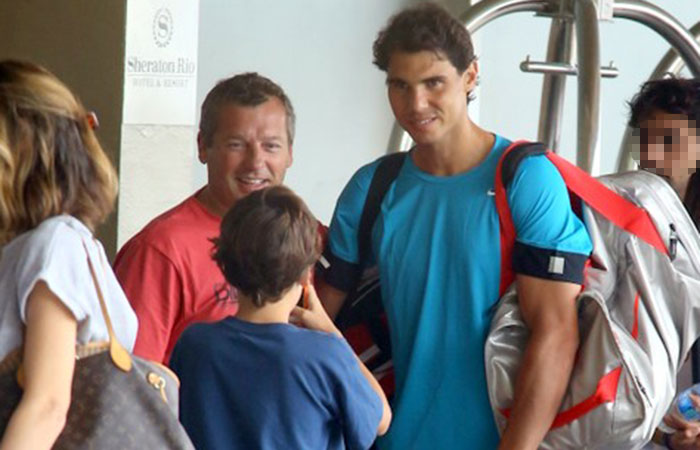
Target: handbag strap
<point>120,357</point>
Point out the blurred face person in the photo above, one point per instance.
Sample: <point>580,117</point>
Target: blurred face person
<point>669,144</point>
<point>250,149</point>
<point>666,114</point>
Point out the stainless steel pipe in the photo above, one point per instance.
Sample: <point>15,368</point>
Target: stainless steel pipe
<point>664,24</point>
<point>488,10</point>
<point>588,52</point>
<point>562,69</point>
<point>554,85</point>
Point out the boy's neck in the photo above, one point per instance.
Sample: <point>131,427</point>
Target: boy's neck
<point>680,184</point>
<point>270,312</point>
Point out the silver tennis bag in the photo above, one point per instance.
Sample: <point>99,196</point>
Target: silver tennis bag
<point>638,312</point>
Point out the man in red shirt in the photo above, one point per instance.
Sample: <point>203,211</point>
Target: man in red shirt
<point>245,139</point>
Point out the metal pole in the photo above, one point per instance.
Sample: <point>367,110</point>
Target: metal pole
<point>664,24</point>
<point>488,10</point>
<point>671,63</point>
<point>554,85</point>
<point>474,18</point>
<point>588,52</point>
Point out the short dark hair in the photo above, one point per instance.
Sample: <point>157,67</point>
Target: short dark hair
<point>671,95</point>
<point>268,239</point>
<point>424,27</point>
<point>245,89</point>
<point>674,96</point>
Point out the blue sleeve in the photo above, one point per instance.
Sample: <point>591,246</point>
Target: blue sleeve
<point>552,242</point>
<point>189,362</point>
<point>359,408</point>
<point>342,252</point>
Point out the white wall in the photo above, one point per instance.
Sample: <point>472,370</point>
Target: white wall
<point>320,52</point>
<point>508,92</point>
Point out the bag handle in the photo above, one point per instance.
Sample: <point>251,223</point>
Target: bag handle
<point>120,357</point>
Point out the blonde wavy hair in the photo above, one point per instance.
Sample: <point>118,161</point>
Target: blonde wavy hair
<point>50,160</point>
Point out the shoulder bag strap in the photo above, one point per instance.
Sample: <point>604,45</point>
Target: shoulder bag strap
<point>117,352</point>
<point>385,174</point>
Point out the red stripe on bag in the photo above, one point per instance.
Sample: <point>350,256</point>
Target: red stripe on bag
<point>605,392</point>
<point>635,325</point>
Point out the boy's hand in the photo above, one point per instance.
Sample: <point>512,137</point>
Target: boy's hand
<point>315,317</point>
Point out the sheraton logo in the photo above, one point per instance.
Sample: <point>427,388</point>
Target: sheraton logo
<point>162,27</point>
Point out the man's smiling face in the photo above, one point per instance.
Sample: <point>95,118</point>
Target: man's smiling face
<point>249,150</point>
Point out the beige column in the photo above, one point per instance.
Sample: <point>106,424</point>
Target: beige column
<point>158,131</point>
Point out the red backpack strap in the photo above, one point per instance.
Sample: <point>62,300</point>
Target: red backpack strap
<point>609,203</point>
<point>620,211</point>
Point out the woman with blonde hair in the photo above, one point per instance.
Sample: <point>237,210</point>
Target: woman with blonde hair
<point>56,186</point>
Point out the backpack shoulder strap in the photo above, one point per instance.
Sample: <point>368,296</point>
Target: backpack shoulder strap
<point>505,172</point>
<point>514,155</point>
<point>385,174</point>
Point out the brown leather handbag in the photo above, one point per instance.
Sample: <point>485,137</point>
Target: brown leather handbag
<point>118,401</point>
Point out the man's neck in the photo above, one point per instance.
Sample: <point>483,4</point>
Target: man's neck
<point>210,202</point>
<point>271,312</point>
<point>459,152</point>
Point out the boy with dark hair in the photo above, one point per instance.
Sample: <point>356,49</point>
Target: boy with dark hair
<point>665,114</point>
<point>436,242</point>
<point>254,381</point>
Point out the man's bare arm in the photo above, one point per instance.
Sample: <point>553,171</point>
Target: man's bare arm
<point>549,309</point>
<point>332,299</point>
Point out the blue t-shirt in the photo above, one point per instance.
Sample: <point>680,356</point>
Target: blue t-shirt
<point>437,246</point>
<point>272,386</point>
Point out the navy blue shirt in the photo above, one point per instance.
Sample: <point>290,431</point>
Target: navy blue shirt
<point>272,386</point>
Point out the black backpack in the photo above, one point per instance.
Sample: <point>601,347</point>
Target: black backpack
<point>362,318</point>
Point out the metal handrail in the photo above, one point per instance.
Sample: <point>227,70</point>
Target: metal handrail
<point>588,55</point>
<point>664,24</point>
<point>559,49</point>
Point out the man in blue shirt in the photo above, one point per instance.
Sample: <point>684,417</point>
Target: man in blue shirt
<point>436,243</point>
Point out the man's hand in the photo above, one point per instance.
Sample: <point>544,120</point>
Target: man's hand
<point>315,316</point>
<point>549,310</point>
